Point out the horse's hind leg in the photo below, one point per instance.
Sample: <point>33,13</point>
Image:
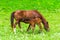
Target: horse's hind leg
<point>14,27</point>
<point>19,26</point>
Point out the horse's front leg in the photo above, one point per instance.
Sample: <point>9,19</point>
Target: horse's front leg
<point>29,27</point>
<point>32,26</point>
<point>40,27</point>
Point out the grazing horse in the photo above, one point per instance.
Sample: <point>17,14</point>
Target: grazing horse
<point>32,23</point>
<point>28,16</point>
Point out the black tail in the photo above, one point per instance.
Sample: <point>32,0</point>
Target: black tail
<point>12,19</point>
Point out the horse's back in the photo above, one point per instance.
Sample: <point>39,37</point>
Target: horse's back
<point>27,13</point>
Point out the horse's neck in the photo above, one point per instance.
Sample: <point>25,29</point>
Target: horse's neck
<point>43,19</point>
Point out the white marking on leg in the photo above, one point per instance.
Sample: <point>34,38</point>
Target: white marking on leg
<point>21,30</point>
<point>15,30</point>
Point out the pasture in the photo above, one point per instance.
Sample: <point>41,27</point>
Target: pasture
<point>49,9</point>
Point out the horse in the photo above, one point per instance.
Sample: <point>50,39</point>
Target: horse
<point>27,16</point>
<point>32,23</point>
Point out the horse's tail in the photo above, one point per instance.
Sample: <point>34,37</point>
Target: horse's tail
<point>12,19</point>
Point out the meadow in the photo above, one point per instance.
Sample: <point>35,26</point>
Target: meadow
<point>50,9</point>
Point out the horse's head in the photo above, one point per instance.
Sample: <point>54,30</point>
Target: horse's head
<point>46,26</point>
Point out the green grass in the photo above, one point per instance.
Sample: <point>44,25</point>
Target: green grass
<point>49,9</point>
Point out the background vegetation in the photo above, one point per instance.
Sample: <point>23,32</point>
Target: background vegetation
<point>50,9</point>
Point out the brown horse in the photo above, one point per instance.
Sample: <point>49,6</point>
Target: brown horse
<point>28,16</point>
<point>32,23</point>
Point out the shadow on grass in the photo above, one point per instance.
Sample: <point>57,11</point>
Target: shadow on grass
<point>35,32</point>
<point>29,32</point>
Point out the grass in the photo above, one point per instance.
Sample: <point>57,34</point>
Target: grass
<point>49,9</point>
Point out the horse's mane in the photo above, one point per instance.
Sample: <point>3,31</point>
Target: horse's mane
<point>41,17</point>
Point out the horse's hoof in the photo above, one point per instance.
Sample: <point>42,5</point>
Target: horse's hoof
<point>48,30</point>
<point>21,30</point>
